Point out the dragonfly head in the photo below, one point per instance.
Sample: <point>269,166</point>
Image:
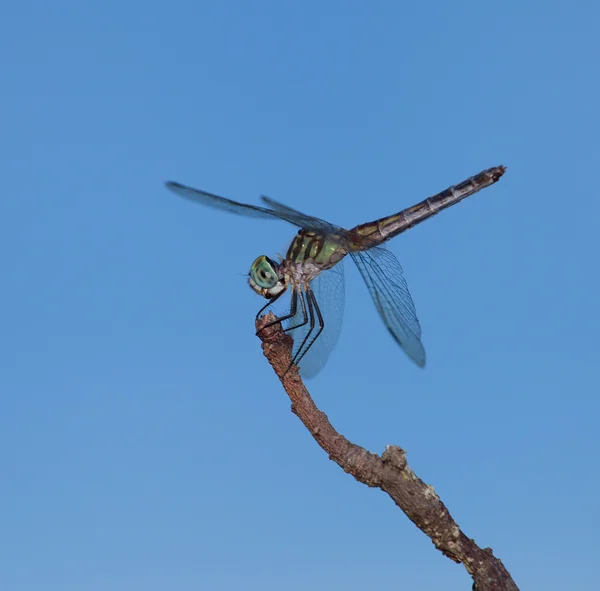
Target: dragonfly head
<point>265,278</point>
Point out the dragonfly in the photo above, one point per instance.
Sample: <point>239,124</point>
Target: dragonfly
<point>312,270</point>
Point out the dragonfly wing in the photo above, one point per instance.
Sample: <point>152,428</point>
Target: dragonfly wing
<point>328,288</point>
<point>308,222</point>
<point>385,279</point>
<point>279,210</point>
<point>223,203</point>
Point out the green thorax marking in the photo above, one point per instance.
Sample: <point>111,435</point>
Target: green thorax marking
<point>325,251</point>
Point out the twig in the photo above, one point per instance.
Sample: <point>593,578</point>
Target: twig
<point>390,472</point>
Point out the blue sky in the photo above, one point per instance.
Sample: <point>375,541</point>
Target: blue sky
<point>145,442</point>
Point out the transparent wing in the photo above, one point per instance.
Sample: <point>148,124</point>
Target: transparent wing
<point>385,279</point>
<point>305,221</point>
<point>279,210</point>
<point>328,288</point>
<point>220,202</point>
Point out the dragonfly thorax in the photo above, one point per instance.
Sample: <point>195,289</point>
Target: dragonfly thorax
<point>265,277</point>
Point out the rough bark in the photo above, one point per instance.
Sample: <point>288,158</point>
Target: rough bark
<point>389,471</point>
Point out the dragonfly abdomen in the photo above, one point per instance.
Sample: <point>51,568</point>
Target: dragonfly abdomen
<point>373,233</point>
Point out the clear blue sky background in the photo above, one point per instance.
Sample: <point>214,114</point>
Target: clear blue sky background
<point>145,443</point>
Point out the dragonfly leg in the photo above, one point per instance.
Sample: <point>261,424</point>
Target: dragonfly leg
<point>277,320</point>
<point>293,310</point>
<point>314,308</point>
<point>301,350</point>
<point>271,301</point>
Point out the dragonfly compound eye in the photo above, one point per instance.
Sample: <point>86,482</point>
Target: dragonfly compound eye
<point>264,273</point>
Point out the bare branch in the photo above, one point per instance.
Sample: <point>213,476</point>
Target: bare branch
<point>390,472</point>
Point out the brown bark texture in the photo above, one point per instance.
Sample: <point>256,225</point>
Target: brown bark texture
<point>389,471</point>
